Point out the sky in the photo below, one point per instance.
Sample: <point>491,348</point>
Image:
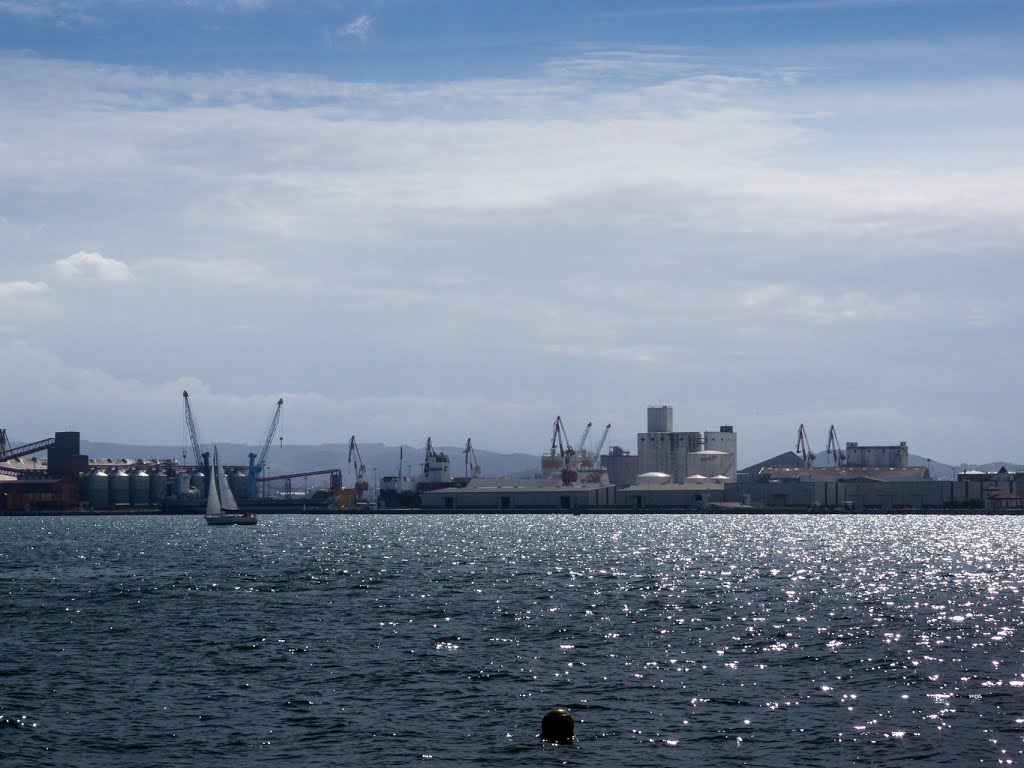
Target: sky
<point>461,218</point>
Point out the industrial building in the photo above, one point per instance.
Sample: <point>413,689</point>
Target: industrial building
<point>510,495</point>
<point>877,455</point>
<point>683,456</point>
<point>666,475</point>
<point>623,467</point>
<point>67,480</point>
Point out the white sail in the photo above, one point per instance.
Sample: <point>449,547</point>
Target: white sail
<point>213,505</point>
<point>221,507</point>
<point>227,498</point>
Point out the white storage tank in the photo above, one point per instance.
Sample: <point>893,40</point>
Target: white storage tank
<point>654,478</point>
<point>711,463</point>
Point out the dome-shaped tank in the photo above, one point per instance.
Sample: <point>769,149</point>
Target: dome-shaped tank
<point>138,487</point>
<point>157,485</point>
<point>238,482</point>
<point>654,478</point>
<point>120,488</point>
<point>96,489</point>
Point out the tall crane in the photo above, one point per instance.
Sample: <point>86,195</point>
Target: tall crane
<point>583,440</point>
<point>803,447</point>
<point>838,457</point>
<point>558,436</point>
<point>358,469</point>
<point>256,466</point>
<point>472,465</point>
<point>600,445</point>
<point>202,459</point>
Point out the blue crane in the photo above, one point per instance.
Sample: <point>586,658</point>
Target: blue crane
<point>256,467</point>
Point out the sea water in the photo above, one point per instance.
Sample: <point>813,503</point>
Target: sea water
<point>712,640</point>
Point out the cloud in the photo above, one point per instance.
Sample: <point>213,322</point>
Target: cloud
<point>18,288</point>
<point>358,27</point>
<point>88,265</point>
<point>25,10</point>
<point>772,6</point>
<point>584,240</point>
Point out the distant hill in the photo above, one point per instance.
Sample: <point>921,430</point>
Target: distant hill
<point>940,471</point>
<point>936,469</point>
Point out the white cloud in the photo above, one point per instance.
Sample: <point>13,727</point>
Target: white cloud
<point>525,245</point>
<point>65,11</point>
<point>771,6</point>
<point>25,10</point>
<point>89,265</point>
<point>358,27</point>
<point>17,288</point>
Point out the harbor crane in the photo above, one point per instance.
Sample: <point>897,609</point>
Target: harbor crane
<point>256,466</point>
<point>583,440</point>
<point>358,469</point>
<point>559,436</point>
<point>803,447</point>
<point>600,445</point>
<point>472,465</point>
<point>201,458</point>
<point>833,449</point>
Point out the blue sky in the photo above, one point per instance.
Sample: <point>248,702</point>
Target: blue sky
<point>461,218</point>
<point>413,40</point>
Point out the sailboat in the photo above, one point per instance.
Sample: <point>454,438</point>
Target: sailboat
<point>221,507</point>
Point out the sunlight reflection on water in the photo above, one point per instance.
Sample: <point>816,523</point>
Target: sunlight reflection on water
<point>760,640</point>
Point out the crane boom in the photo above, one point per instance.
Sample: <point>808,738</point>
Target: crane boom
<point>193,431</point>
<point>583,440</point>
<point>803,447</point>
<point>358,469</point>
<point>600,445</point>
<point>472,465</point>
<point>838,457</point>
<point>256,466</point>
<point>556,436</point>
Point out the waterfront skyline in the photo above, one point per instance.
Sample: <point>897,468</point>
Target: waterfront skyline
<point>454,219</point>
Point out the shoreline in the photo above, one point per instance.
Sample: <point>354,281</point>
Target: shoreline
<point>363,512</point>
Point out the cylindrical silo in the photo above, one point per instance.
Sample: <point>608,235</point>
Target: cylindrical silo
<point>96,489</point>
<point>120,488</point>
<point>198,481</point>
<point>182,484</point>
<point>138,485</point>
<point>157,485</point>
<point>239,484</point>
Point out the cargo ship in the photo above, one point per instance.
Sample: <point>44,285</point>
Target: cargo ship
<point>404,491</point>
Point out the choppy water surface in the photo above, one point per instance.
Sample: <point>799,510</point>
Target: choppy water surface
<point>383,640</point>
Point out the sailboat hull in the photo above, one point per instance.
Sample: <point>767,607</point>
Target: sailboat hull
<point>231,520</point>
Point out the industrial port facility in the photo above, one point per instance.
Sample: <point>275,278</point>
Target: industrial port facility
<point>670,471</point>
